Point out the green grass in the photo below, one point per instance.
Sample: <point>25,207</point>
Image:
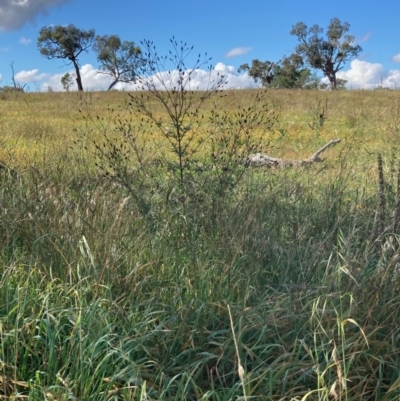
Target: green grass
<point>149,287</point>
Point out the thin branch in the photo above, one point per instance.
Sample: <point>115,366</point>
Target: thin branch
<point>315,157</point>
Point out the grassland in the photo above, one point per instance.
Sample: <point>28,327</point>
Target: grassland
<point>123,280</point>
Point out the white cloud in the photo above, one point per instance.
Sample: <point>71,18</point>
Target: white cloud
<point>393,79</point>
<point>224,69</point>
<point>1,77</point>
<point>396,58</point>
<point>234,79</point>
<point>364,38</point>
<point>24,41</point>
<point>15,13</point>
<point>200,79</point>
<point>360,75</point>
<point>92,81</point>
<point>365,75</point>
<point>237,51</point>
<point>30,76</point>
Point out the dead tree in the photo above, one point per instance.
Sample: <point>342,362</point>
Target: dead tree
<point>261,159</point>
<point>17,86</point>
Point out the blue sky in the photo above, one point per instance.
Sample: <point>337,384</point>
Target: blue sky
<point>231,32</point>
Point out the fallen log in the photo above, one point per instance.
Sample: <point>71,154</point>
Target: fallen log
<point>261,159</point>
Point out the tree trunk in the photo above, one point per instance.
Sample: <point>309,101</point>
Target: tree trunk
<point>330,73</point>
<point>112,84</point>
<point>333,81</point>
<point>78,76</point>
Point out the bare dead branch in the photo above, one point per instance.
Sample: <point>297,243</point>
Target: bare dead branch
<point>261,159</point>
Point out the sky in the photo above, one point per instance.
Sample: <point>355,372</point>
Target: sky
<point>231,32</point>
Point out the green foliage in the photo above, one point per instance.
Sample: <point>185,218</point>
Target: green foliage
<point>311,80</point>
<point>94,303</point>
<point>261,71</point>
<point>287,73</point>
<point>193,158</point>
<point>119,59</point>
<point>66,81</point>
<point>328,55</point>
<point>290,73</point>
<point>65,42</point>
<point>341,83</point>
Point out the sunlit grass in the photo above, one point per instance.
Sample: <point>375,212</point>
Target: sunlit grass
<point>138,292</point>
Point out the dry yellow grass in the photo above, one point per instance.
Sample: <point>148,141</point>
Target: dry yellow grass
<point>42,126</point>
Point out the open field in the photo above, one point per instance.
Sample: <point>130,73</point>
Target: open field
<point>128,273</point>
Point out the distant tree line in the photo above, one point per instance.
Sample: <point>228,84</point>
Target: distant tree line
<point>123,60</point>
<point>289,72</point>
<point>327,54</point>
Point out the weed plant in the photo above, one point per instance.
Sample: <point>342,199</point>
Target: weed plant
<point>153,265</point>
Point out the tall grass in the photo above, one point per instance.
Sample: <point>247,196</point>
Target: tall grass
<point>293,273</point>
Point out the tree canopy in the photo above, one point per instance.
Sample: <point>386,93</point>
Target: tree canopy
<point>66,81</point>
<point>286,73</point>
<point>65,42</point>
<point>291,73</point>
<point>326,54</point>
<point>261,71</point>
<point>119,59</point>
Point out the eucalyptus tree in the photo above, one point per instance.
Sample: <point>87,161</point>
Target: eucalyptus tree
<point>330,53</point>
<point>121,60</point>
<point>286,73</point>
<point>66,81</point>
<point>65,42</point>
<point>261,71</point>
